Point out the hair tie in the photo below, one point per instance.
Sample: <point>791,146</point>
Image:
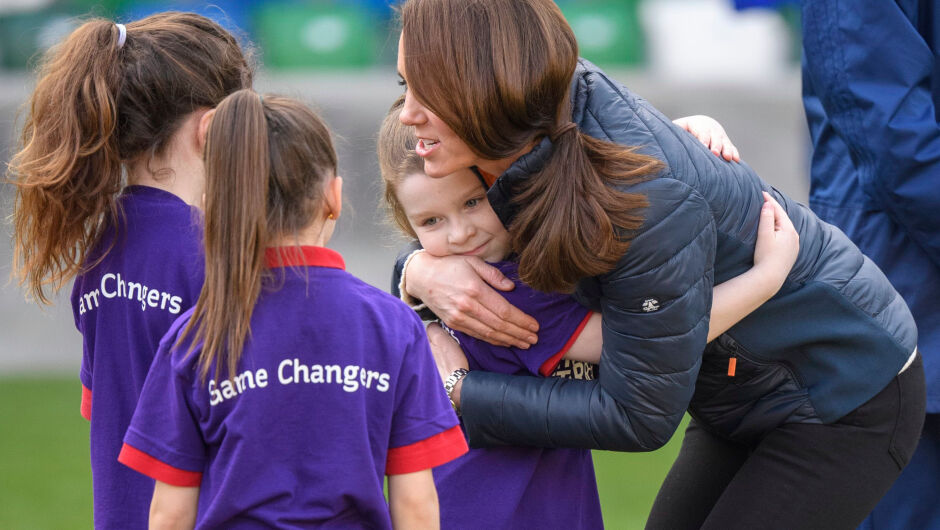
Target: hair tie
<point>122,35</point>
<point>557,133</point>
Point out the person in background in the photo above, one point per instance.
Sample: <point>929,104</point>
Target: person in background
<point>871,88</point>
<point>109,180</point>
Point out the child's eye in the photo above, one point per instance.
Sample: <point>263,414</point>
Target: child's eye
<point>473,202</point>
<point>430,221</point>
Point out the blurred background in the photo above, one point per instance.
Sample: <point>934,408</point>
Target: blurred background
<point>735,60</point>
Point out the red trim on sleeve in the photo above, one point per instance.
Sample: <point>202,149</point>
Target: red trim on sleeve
<point>143,463</point>
<point>86,403</point>
<point>303,256</point>
<point>425,454</point>
<point>549,366</point>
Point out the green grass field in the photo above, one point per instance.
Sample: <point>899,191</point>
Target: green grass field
<point>45,480</point>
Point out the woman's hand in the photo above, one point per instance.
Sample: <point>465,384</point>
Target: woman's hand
<point>711,134</point>
<point>777,244</point>
<point>458,290</point>
<point>447,355</point>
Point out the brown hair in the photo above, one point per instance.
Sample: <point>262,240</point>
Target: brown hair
<point>498,73</point>
<point>266,163</point>
<point>97,106</point>
<point>397,160</point>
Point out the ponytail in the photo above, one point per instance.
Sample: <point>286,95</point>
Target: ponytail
<point>266,163</point>
<point>68,171</point>
<point>105,96</point>
<point>573,219</point>
<point>237,175</point>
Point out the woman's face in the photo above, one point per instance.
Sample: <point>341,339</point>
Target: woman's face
<point>443,151</point>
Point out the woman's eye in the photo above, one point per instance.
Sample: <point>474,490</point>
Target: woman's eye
<point>401,81</point>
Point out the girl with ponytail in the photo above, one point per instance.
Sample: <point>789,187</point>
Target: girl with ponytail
<point>815,399</point>
<point>262,406</point>
<point>109,176</point>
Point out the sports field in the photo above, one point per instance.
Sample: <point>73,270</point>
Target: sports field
<point>45,481</point>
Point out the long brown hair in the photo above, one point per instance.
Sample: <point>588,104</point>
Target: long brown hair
<point>266,164</point>
<point>498,73</point>
<point>397,160</point>
<point>98,105</point>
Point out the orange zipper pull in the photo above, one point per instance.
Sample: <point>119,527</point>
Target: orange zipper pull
<point>732,364</point>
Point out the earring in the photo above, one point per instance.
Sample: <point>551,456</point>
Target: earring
<point>330,217</point>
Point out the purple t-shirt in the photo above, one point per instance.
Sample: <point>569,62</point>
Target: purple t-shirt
<point>151,273</point>
<point>524,487</point>
<point>335,389</point>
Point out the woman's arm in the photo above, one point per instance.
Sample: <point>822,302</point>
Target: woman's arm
<point>412,500</point>
<point>173,507</point>
<point>459,290</point>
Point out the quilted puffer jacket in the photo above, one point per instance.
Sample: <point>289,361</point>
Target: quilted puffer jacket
<point>832,338</point>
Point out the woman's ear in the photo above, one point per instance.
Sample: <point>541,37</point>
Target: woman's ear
<point>333,195</point>
<point>203,129</point>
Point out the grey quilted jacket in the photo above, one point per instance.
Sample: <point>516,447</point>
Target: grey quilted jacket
<point>832,338</point>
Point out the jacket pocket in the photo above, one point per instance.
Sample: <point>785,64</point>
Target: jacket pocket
<point>742,397</point>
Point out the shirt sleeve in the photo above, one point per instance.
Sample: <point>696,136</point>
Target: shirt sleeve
<point>164,441</point>
<point>425,431</point>
<point>561,319</point>
<point>872,72</point>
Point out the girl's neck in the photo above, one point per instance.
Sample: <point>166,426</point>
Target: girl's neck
<point>176,180</point>
<point>317,234</point>
<point>179,170</point>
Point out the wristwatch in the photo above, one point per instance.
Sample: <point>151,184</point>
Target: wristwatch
<point>451,382</point>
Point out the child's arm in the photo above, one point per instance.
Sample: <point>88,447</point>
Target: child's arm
<point>774,255</point>
<point>412,500</point>
<point>711,134</point>
<point>173,507</point>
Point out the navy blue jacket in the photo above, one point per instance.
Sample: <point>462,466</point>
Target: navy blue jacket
<point>834,336</point>
<point>871,88</point>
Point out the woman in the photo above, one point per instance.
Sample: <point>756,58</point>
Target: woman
<point>803,414</point>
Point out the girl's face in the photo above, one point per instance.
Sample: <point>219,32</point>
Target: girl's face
<point>442,150</point>
<point>451,215</point>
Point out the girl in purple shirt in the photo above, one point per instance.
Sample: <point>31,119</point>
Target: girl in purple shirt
<point>116,105</point>
<point>292,388</point>
<point>536,487</point>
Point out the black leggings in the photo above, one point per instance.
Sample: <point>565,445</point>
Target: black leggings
<point>799,476</point>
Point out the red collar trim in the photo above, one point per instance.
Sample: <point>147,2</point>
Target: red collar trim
<point>305,256</point>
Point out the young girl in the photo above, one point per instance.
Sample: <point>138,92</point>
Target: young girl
<point>534,487</point>
<point>292,387</point>
<point>117,102</point>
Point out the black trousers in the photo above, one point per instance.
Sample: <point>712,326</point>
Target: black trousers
<point>799,476</point>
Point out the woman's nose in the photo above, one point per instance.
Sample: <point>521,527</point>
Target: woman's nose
<point>411,112</point>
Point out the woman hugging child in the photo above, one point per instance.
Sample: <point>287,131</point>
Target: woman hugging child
<point>518,487</point>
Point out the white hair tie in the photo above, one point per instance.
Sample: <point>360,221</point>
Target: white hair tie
<point>122,35</point>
